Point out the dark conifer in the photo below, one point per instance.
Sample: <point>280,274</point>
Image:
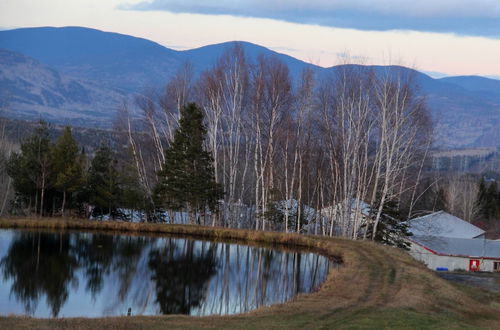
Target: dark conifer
<point>133,197</point>
<point>31,169</point>
<point>68,165</point>
<point>491,205</point>
<point>187,180</point>
<point>102,185</point>
<point>392,230</point>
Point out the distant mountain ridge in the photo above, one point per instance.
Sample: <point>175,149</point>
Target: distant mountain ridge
<point>120,61</point>
<point>88,73</point>
<point>31,89</point>
<point>475,83</point>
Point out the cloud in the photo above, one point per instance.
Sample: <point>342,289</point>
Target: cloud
<point>469,17</point>
<point>440,52</point>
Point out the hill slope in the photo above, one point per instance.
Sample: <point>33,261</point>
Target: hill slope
<point>204,57</point>
<point>33,90</point>
<point>475,83</point>
<point>115,60</point>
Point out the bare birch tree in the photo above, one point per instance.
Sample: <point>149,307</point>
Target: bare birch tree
<point>296,147</point>
<point>354,139</point>
<point>461,194</point>
<point>272,97</point>
<point>346,108</point>
<point>224,95</point>
<point>402,131</point>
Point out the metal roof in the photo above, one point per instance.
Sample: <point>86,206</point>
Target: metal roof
<point>462,247</point>
<point>443,224</point>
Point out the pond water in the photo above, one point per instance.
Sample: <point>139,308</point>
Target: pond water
<point>52,274</point>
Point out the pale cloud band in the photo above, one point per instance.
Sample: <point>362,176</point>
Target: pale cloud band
<point>468,17</point>
<point>440,52</point>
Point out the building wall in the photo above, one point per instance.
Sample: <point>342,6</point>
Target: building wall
<point>434,261</point>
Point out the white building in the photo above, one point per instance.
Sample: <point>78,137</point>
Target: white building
<point>447,243</point>
<point>444,224</point>
<point>450,253</point>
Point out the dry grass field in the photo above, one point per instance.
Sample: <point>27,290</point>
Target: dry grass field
<point>376,287</point>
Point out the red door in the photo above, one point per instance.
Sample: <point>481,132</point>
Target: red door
<point>474,265</point>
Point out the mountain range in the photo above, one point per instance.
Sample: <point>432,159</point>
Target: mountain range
<point>80,76</point>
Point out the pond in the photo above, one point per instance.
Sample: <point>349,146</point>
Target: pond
<point>69,274</point>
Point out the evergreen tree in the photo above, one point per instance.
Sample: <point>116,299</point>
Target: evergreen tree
<point>491,205</point>
<point>132,196</point>
<point>275,211</point>
<point>482,198</point>
<point>187,179</point>
<point>391,229</point>
<point>32,168</point>
<point>439,202</point>
<point>482,189</point>
<point>497,215</point>
<point>103,183</point>
<point>68,166</point>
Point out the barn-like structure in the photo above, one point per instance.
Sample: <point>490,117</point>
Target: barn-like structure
<point>445,242</point>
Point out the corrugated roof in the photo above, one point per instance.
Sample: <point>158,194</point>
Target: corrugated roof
<point>468,247</point>
<point>443,224</point>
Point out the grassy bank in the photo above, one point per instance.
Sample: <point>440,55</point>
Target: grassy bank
<point>377,287</point>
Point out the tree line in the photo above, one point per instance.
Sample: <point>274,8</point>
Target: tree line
<point>465,195</point>
<point>280,147</point>
<point>51,178</point>
<point>256,149</point>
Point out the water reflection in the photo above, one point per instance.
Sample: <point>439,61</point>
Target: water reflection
<point>85,274</point>
<point>181,273</point>
<point>40,265</point>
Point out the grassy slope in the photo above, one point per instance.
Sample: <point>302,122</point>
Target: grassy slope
<point>378,287</point>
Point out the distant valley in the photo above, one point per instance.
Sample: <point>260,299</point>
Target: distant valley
<point>81,76</point>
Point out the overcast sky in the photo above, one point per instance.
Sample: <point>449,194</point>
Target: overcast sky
<point>454,37</point>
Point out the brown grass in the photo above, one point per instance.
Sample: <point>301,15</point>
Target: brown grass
<point>377,286</point>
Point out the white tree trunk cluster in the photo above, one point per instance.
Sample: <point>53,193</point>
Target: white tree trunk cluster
<point>282,148</point>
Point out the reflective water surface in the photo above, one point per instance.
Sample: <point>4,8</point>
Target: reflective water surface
<point>48,274</point>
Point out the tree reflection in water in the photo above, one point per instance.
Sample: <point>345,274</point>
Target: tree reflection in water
<point>181,273</point>
<point>40,264</point>
<point>85,274</point>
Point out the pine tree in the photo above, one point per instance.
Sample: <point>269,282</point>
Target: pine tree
<point>481,198</point>
<point>31,169</point>
<point>497,215</point>
<point>187,179</point>
<point>275,212</point>
<point>68,165</point>
<point>103,183</point>
<point>391,229</point>
<point>132,196</point>
<point>491,206</point>
<point>439,202</point>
